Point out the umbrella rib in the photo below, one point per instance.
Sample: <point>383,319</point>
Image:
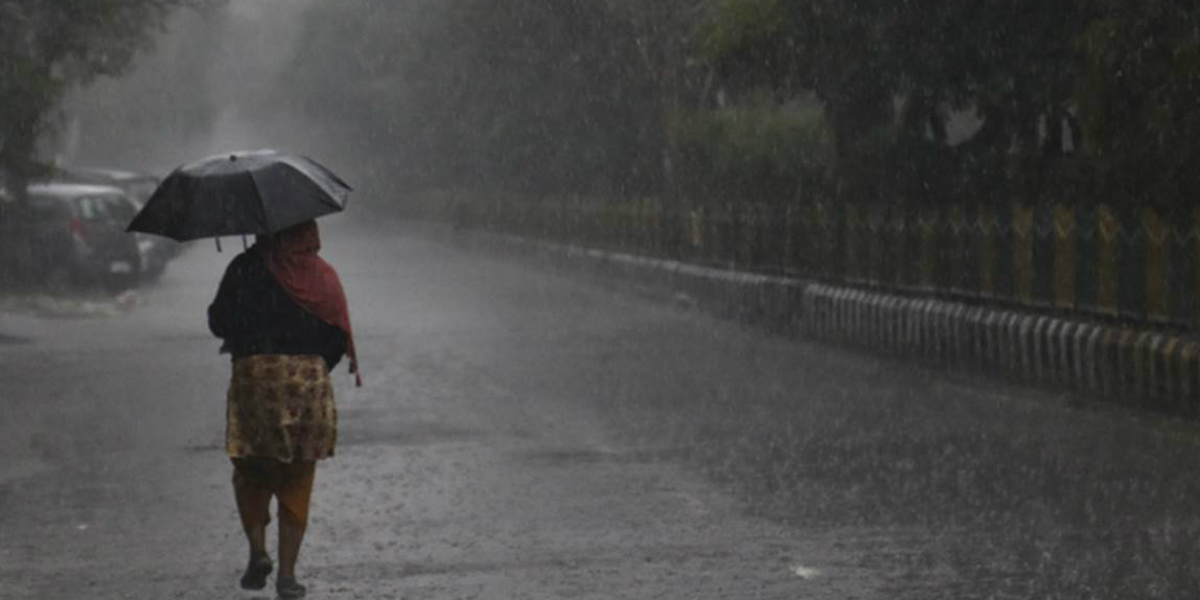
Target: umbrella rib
<point>264,216</point>
<point>189,215</point>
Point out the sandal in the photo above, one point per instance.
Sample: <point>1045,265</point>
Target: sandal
<point>287,588</point>
<point>255,577</point>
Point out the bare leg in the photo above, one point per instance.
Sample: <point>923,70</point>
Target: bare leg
<point>291,535</point>
<point>254,504</point>
<point>293,521</point>
<point>257,536</point>
<point>259,566</point>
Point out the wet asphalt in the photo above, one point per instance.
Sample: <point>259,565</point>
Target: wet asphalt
<point>531,434</point>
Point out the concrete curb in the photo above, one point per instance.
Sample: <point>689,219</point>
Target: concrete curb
<point>1136,367</point>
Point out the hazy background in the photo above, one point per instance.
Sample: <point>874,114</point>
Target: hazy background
<point>208,86</point>
<point>532,98</point>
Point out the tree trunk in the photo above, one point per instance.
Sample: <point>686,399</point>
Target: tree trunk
<point>17,243</point>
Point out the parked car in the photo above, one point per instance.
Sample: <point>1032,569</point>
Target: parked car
<point>81,233</point>
<point>156,252</point>
<point>139,186</point>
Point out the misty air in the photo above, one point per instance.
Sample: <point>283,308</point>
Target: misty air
<point>599,299</point>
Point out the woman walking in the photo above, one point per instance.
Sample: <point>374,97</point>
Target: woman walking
<point>282,315</point>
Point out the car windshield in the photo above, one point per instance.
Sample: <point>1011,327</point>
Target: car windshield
<point>91,208</point>
<point>120,208</point>
<point>104,207</point>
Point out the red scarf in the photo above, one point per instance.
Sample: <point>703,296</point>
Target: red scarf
<point>291,256</point>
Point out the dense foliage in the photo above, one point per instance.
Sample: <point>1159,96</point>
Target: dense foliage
<point>749,154</point>
<point>929,101</point>
<point>925,101</point>
<point>1091,101</point>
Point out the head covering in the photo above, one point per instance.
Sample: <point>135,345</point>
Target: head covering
<point>291,256</point>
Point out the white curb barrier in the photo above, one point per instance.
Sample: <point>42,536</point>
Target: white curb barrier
<point>1139,367</point>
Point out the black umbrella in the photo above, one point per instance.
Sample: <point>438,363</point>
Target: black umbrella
<point>244,193</point>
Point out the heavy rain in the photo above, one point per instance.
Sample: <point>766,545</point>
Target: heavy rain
<point>682,299</point>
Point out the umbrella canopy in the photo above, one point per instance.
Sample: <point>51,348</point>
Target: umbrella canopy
<point>244,193</point>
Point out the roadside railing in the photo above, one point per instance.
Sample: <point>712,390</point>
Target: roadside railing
<point>1142,267</point>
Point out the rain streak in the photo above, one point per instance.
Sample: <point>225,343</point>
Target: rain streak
<point>599,299</point>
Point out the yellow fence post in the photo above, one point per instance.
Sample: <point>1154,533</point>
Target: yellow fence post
<point>1066,257</point>
<point>853,233</point>
<point>1108,253</point>
<point>927,222</point>
<point>1023,254</point>
<point>985,235</point>
<point>695,228</point>
<point>1195,241</point>
<point>1157,265</point>
<point>956,266</point>
<point>876,237</point>
<point>898,246</point>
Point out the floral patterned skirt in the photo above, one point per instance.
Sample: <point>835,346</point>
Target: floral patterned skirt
<point>281,407</point>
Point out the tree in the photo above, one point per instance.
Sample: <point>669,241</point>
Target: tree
<point>664,39</point>
<point>540,96</point>
<point>1137,88</point>
<point>840,51</point>
<point>47,46</point>
<point>890,74</point>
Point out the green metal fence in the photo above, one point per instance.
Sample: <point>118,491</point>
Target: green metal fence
<point>1141,267</point>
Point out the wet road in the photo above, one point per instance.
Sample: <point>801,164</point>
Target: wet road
<point>529,435</point>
